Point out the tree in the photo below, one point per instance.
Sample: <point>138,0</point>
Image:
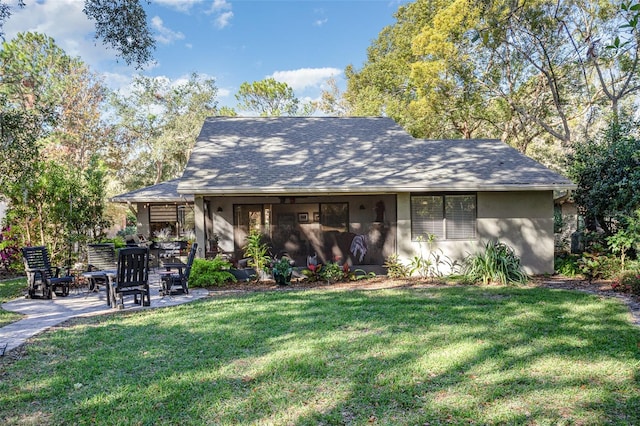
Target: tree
<point>332,101</point>
<point>607,172</point>
<point>269,97</point>
<point>543,71</point>
<point>162,120</point>
<point>50,106</point>
<point>120,24</point>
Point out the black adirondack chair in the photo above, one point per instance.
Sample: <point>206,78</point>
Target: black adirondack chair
<point>41,276</point>
<point>181,277</point>
<point>100,257</point>
<point>131,278</point>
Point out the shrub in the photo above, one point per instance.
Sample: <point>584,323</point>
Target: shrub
<point>395,268</point>
<point>594,266</point>
<point>628,281</point>
<point>256,250</point>
<point>497,262</point>
<point>331,272</point>
<point>567,265</point>
<point>206,273</point>
<point>10,255</point>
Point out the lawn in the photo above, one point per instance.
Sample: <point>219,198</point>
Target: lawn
<point>442,355</point>
<point>9,290</point>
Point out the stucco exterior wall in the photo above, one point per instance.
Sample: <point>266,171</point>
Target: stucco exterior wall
<point>522,220</point>
<point>142,224</point>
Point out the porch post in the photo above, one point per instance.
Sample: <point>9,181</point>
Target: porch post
<point>405,246</point>
<point>199,220</point>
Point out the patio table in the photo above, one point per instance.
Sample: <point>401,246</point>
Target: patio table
<point>165,276</point>
<point>105,275</point>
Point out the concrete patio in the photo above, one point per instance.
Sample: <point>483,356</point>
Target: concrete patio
<point>42,314</point>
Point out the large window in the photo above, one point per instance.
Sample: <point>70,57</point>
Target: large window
<point>334,217</point>
<point>448,217</point>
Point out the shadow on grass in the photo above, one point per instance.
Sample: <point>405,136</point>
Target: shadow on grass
<point>489,355</point>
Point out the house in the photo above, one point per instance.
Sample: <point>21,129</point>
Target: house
<point>160,207</point>
<point>359,189</point>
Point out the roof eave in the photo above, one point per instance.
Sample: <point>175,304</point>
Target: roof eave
<point>374,189</point>
<point>187,198</point>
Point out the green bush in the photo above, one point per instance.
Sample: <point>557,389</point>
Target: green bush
<point>596,266</point>
<point>257,252</point>
<point>331,272</point>
<point>628,281</point>
<point>497,262</point>
<point>118,242</point>
<point>567,265</point>
<point>207,273</point>
<point>395,268</point>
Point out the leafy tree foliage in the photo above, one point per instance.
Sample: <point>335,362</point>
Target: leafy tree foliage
<point>544,70</point>
<point>269,97</point>
<point>120,24</point>
<point>161,120</point>
<point>50,129</point>
<point>607,172</point>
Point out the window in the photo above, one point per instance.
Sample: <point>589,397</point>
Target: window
<point>162,219</point>
<point>334,217</point>
<point>450,217</point>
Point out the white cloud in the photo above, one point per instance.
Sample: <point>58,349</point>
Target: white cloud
<point>220,5</point>
<point>179,5</point>
<point>116,81</point>
<point>223,20</point>
<point>165,35</point>
<point>64,21</point>
<point>305,77</point>
<point>320,22</point>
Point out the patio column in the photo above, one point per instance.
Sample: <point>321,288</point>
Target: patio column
<point>199,220</point>
<point>405,246</point>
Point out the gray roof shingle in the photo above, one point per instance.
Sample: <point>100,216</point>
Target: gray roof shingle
<point>258,155</point>
<point>164,192</point>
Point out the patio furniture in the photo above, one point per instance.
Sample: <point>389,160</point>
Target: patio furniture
<point>131,277</point>
<point>180,278</point>
<point>170,250</point>
<point>100,257</point>
<point>41,276</point>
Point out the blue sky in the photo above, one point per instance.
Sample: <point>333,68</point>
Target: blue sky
<point>301,42</point>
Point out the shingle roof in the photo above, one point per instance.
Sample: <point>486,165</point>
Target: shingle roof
<point>251,155</point>
<point>164,192</point>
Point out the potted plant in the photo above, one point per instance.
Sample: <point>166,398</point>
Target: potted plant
<point>282,271</point>
<point>257,251</point>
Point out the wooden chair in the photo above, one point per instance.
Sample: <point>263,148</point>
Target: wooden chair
<point>100,257</point>
<point>131,278</point>
<point>181,277</point>
<point>41,276</point>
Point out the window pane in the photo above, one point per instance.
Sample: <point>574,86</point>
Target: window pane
<point>163,214</point>
<point>460,216</point>
<point>427,216</point>
<point>334,217</point>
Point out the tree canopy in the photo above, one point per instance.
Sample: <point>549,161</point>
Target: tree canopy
<point>524,71</point>
<point>161,120</point>
<point>51,135</point>
<point>270,97</point>
<point>607,172</point>
<point>120,24</point>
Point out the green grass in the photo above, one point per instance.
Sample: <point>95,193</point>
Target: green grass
<point>445,355</point>
<point>10,289</point>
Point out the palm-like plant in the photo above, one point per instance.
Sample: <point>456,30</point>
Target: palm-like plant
<point>497,262</point>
